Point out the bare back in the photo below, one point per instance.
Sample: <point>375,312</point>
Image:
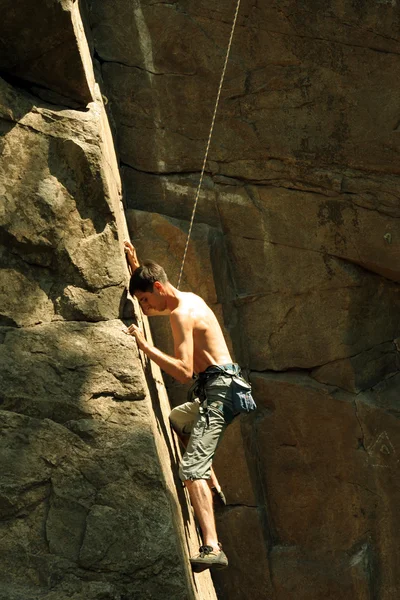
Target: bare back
<point>209,346</point>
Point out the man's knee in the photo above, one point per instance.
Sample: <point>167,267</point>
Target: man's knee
<point>175,421</point>
<point>196,483</point>
<point>189,473</point>
<point>171,420</point>
<point>182,417</point>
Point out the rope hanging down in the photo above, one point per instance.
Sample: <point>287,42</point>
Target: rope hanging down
<point>208,142</point>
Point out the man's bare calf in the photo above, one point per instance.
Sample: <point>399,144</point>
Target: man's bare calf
<point>201,499</point>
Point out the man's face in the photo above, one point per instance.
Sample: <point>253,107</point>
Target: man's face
<point>152,300</point>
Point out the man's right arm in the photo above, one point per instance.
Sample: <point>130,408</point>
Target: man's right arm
<point>131,256</point>
<point>179,366</point>
<point>134,264</point>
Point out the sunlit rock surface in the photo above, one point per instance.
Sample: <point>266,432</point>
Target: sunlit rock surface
<point>302,195</point>
<point>90,504</point>
<point>296,246</point>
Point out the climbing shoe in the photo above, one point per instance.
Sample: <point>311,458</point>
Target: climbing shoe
<point>208,558</point>
<point>219,496</point>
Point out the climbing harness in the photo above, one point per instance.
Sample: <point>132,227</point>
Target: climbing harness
<point>240,389</point>
<point>208,142</point>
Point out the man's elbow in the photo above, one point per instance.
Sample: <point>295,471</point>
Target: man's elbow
<point>186,376</point>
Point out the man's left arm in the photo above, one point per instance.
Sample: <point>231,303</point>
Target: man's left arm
<point>181,366</point>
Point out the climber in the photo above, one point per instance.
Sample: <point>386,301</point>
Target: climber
<point>200,347</point>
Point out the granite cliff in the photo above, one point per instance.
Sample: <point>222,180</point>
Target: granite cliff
<point>296,246</point>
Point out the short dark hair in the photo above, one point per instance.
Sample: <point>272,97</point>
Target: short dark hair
<point>145,276</point>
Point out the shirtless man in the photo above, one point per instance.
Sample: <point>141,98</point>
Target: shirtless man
<point>200,348</point>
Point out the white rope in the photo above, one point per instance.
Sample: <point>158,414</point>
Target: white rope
<point>208,142</point>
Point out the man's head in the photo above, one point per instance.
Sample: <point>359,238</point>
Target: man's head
<point>148,285</point>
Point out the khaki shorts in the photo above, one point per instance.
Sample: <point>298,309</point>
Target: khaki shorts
<point>205,435</point>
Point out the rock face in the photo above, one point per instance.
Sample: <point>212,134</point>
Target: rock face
<point>44,48</point>
<point>296,246</point>
<point>61,251</point>
<point>298,223</point>
<point>89,507</point>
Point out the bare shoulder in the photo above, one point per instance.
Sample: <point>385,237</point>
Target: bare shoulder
<point>189,308</point>
<point>188,301</point>
<point>184,309</point>
<point>195,301</point>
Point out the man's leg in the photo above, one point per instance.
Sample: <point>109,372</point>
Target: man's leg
<point>181,419</point>
<point>195,470</point>
<point>202,502</point>
<point>212,482</point>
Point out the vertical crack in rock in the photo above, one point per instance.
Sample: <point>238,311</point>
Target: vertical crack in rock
<point>45,521</point>
<point>269,532</point>
<point>361,440</point>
